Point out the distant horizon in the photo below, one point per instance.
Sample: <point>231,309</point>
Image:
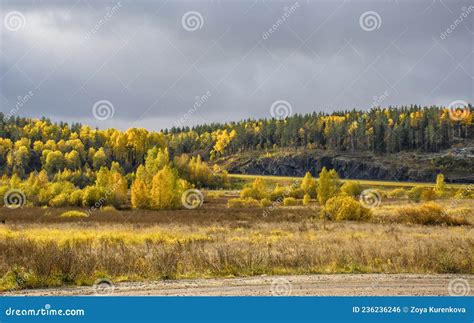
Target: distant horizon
<point>69,122</point>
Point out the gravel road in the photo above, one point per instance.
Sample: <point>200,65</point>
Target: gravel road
<point>301,285</point>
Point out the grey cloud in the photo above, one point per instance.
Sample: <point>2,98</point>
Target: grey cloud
<point>152,69</point>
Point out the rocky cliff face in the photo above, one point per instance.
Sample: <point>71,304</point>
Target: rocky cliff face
<point>367,167</point>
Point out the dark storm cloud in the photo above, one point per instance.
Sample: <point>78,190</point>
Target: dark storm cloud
<point>138,56</point>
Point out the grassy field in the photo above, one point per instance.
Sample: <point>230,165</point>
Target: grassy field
<point>38,248</point>
<point>285,180</point>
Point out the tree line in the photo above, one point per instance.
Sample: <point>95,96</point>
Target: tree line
<point>79,151</point>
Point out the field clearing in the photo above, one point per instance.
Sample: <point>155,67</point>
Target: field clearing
<point>38,248</point>
<point>288,179</point>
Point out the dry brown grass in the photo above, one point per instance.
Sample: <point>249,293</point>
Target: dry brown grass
<point>38,249</point>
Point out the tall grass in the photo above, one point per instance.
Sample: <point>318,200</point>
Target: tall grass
<point>39,257</point>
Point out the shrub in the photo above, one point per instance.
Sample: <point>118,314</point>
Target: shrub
<point>93,195</point>
<point>440,187</point>
<point>344,207</point>
<point>257,191</point>
<point>265,202</point>
<point>296,192</point>
<point>415,193</point>
<point>306,199</point>
<point>352,188</point>
<point>74,214</point>
<point>59,200</point>
<point>428,194</point>
<point>397,193</point>
<point>3,190</point>
<point>75,199</point>
<point>460,194</point>
<point>290,201</point>
<point>429,213</point>
<point>309,185</point>
<point>108,208</point>
<point>278,193</point>
<point>243,203</point>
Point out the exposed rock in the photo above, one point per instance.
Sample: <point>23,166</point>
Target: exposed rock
<point>386,168</point>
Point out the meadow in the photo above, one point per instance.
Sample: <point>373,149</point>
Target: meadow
<point>41,248</point>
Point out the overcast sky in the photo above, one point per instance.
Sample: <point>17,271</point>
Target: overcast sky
<point>151,59</point>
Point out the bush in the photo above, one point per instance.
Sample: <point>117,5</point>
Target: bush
<point>60,200</point>
<point>352,188</point>
<point>74,214</point>
<point>460,194</point>
<point>75,199</point>
<point>397,193</point>
<point>415,193</point>
<point>92,195</point>
<point>306,199</point>
<point>265,202</point>
<point>3,190</point>
<point>278,193</point>
<point>429,213</point>
<point>290,201</point>
<point>257,191</point>
<point>428,194</point>
<point>297,193</point>
<point>108,208</point>
<point>243,203</point>
<point>344,207</point>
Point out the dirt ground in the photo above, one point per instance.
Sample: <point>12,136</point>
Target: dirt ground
<point>301,285</point>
